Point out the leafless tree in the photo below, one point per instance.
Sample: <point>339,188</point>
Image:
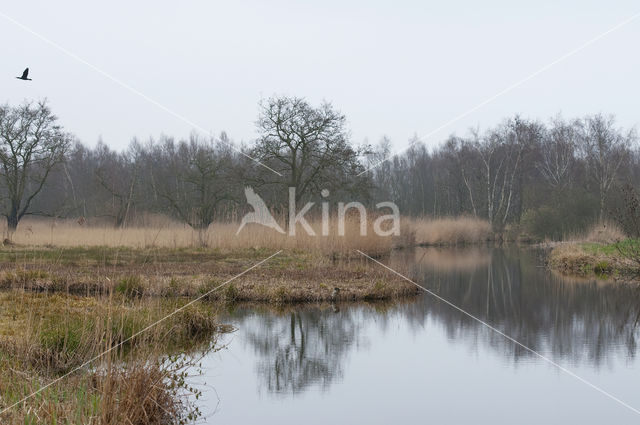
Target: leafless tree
<point>118,174</point>
<point>551,179</point>
<point>557,153</point>
<point>31,145</point>
<point>195,178</point>
<point>502,152</point>
<point>604,149</point>
<point>307,145</point>
<point>463,152</point>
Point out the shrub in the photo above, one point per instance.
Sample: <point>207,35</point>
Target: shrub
<point>560,218</point>
<point>602,267</point>
<point>628,216</point>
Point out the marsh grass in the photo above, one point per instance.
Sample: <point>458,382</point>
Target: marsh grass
<point>600,233</point>
<point>77,292</point>
<point>290,277</point>
<point>221,236</point>
<point>131,287</point>
<point>603,260</point>
<point>140,381</point>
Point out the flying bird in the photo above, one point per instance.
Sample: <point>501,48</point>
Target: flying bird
<point>25,75</point>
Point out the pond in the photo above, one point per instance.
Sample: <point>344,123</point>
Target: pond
<point>421,360</point>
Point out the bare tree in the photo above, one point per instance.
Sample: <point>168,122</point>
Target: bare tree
<point>308,145</point>
<point>557,153</point>
<point>502,152</point>
<point>195,178</point>
<point>118,174</point>
<point>604,149</point>
<point>464,154</point>
<point>31,145</point>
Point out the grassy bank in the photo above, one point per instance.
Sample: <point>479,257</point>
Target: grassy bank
<point>291,276</point>
<point>44,337</point>
<point>606,260</point>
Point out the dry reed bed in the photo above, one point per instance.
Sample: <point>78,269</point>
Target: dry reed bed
<point>447,231</point>
<point>169,234</point>
<point>165,233</point>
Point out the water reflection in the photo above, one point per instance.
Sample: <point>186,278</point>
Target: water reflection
<point>299,347</point>
<point>583,322</point>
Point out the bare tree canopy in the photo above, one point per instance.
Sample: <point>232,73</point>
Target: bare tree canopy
<point>605,149</point>
<point>539,179</point>
<point>195,178</point>
<point>31,145</point>
<point>308,145</point>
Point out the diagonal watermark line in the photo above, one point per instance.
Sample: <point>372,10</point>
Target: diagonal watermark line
<point>88,362</point>
<point>499,332</point>
<point>127,86</point>
<point>507,90</point>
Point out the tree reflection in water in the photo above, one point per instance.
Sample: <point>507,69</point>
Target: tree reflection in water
<point>299,347</point>
<point>581,320</point>
<point>587,321</point>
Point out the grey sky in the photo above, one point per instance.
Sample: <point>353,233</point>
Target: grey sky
<point>395,68</point>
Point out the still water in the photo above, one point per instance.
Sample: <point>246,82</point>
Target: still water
<point>421,361</point>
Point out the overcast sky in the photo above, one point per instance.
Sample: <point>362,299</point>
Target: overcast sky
<point>393,67</point>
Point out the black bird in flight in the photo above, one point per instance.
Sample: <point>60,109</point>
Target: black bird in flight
<point>25,75</point>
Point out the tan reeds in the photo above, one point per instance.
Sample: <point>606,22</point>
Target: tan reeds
<point>450,230</point>
<point>607,232</point>
<point>170,234</point>
<point>166,233</point>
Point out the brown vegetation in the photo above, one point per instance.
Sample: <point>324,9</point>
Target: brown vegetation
<point>291,276</point>
<point>63,306</point>
<point>449,231</point>
<point>598,252</point>
<point>139,379</point>
<point>161,232</point>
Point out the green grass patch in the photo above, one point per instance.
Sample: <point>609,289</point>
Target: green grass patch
<point>612,249</point>
<point>131,287</point>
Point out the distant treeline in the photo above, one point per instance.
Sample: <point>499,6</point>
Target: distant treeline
<point>544,179</point>
<point>550,179</point>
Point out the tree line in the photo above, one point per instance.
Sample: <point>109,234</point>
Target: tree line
<point>545,178</point>
<point>548,179</point>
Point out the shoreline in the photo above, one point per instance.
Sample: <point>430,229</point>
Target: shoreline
<point>61,307</point>
<point>589,259</point>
